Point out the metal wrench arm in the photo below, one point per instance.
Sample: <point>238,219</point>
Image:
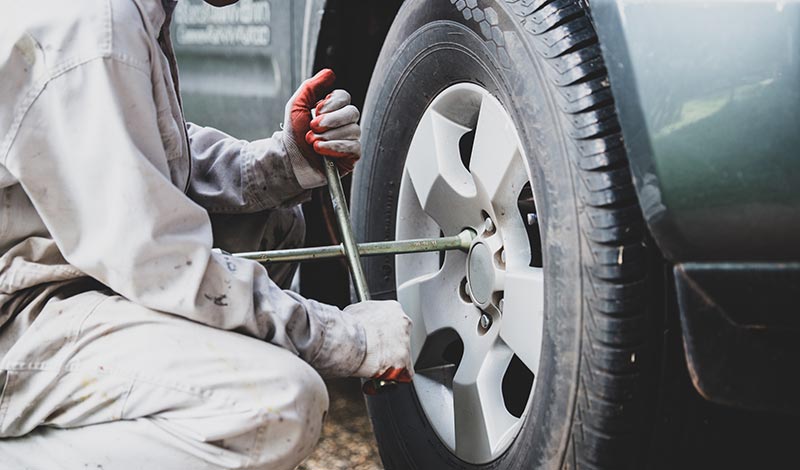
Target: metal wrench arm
<point>461,242</point>
<point>346,230</point>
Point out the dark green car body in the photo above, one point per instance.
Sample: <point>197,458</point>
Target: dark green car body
<point>240,64</point>
<point>708,95</point>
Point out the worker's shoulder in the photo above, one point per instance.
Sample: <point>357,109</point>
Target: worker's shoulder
<point>67,34</point>
<point>44,39</point>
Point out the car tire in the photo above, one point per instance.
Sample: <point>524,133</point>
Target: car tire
<point>595,384</point>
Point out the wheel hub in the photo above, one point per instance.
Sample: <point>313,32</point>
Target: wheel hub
<point>480,274</point>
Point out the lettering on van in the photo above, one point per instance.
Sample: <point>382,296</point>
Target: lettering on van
<point>245,23</point>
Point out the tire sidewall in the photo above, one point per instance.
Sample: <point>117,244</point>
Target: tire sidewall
<point>433,46</point>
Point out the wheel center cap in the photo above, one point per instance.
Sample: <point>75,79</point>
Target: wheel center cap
<point>480,274</point>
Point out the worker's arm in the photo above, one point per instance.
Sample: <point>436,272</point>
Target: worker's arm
<point>231,175</point>
<point>90,156</point>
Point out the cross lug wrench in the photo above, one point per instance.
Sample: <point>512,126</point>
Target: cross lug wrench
<point>352,251</point>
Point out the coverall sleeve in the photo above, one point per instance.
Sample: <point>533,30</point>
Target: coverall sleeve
<point>233,176</point>
<point>90,157</point>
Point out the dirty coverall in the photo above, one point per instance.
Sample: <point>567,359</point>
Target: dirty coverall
<point>126,342</point>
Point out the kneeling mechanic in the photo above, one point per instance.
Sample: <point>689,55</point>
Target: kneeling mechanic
<point>126,341</point>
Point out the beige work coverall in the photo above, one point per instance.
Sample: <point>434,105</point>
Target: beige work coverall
<point>126,341</point>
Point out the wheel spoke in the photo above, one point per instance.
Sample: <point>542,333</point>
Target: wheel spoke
<point>496,162</point>
<point>445,189</point>
<point>481,419</point>
<point>436,384</point>
<point>433,303</point>
<point>410,297</point>
<point>523,312</point>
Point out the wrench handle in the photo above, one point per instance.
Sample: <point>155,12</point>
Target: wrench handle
<point>346,230</point>
<point>371,386</point>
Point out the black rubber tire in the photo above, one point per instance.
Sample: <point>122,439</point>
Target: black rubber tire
<point>596,384</point>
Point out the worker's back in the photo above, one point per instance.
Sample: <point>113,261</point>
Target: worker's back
<point>50,52</point>
<point>37,44</point>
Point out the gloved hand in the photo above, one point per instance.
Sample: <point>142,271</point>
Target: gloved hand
<point>388,332</point>
<point>333,133</point>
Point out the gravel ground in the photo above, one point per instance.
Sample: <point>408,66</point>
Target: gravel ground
<point>347,442</point>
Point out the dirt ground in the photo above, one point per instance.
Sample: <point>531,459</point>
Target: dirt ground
<point>347,442</point>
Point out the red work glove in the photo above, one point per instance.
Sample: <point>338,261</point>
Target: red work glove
<point>334,132</point>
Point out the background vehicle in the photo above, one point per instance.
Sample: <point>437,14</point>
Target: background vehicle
<point>628,167</point>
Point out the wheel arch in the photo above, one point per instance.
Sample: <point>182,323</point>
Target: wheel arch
<point>349,39</point>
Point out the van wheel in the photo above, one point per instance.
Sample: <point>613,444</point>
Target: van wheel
<point>535,349</point>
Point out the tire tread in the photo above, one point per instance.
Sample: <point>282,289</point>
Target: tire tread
<point>610,391</point>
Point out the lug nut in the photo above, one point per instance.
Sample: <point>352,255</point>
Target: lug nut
<point>533,219</point>
<point>488,225</point>
<point>486,321</point>
<point>500,305</point>
<point>503,256</point>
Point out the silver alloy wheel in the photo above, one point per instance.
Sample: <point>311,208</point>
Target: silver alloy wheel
<point>475,314</point>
